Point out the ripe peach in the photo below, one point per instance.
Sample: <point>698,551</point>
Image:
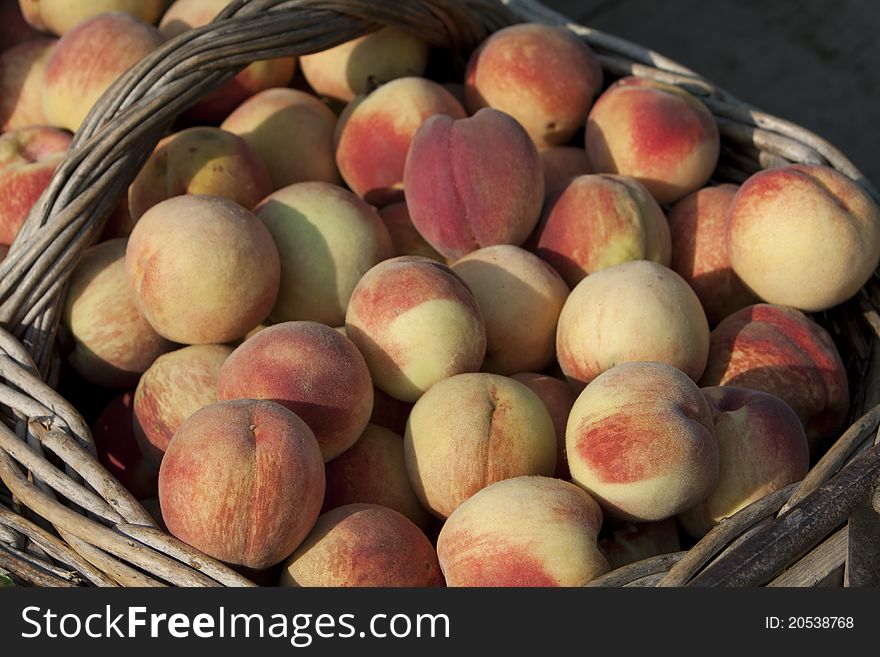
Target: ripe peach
<point>524,531</point>
<point>114,343</point>
<point>405,239</point>
<point>202,269</point>
<point>292,131</point>
<point>311,369</point>
<point>363,545</point>
<point>543,76</point>
<point>699,251</point>
<point>520,298</point>
<point>473,182</point>
<point>803,236</point>
<point>174,387</point>
<point>328,239</point>
<point>780,351</point>
<point>358,66</point>
<point>201,160</point>
<point>635,311</point>
<point>559,163</point>
<point>59,16</point>
<point>641,441</point>
<point>88,59</point>
<point>597,221</point>
<point>655,132</point>
<point>373,471</point>
<point>28,158</point>
<point>624,543</point>
<point>471,430</point>
<point>184,15</point>
<point>118,449</point>
<point>762,448</point>
<point>242,481</point>
<point>416,323</point>
<point>21,84</point>
<point>375,137</point>
<point>558,397</point>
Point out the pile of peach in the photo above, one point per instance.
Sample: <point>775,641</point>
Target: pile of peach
<point>376,329</point>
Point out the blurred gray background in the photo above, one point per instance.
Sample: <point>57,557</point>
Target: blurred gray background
<point>813,62</point>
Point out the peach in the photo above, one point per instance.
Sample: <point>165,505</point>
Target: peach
<point>405,239</point>
<point>524,531</point>
<point>471,430</point>
<point>184,15</point>
<point>558,397</point>
<point>200,160</point>
<point>373,471</point>
<point>242,481</point>
<point>59,16</point>
<point>118,449</point>
<point>114,343</point>
<point>520,298</point>
<point>363,545</point>
<point>624,543</point>
<point>88,59</point>
<point>699,251</point>
<point>28,158</point>
<point>21,84</point>
<point>202,269</point>
<point>389,412</point>
<point>559,163</point>
<point>635,311</point>
<point>359,65</point>
<point>14,29</point>
<point>311,369</point>
<point>601,220</point>
<point>376,135</point>
<point>640,440</point>
<point>655,132</point>
<point>328,239</point>
<point>292,131</point>
<point>174,387</point>
<point>473,182</point>
<point>543,76</point>
<point>803,236</point>
<point>780,351</point>
<point>416,323</point>
<point>762,447</point>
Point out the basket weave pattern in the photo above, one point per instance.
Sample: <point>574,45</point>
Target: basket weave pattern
<point>65,521</point>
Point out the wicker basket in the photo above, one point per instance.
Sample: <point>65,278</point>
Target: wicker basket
<point>65,521</point>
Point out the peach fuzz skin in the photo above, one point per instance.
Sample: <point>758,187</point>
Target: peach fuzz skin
<point>21,84</point>
<point>762,448</point>
<point>311,369</point>
<point>363,545</point>
<point>114,343</point>
<point>28,158</point>
<point>558,397</point>
<point>88,59</point>
<point>559,163</point>
<point>699,251</point>
<point>520,298</point>
<point>634,311</point>
<point>641,441</point>
<point>405,239</point>
<point>242,481</point>
<point>781,351</point>
<point>473,182</point>
<point>201,160</point>
<point>524,531</point>
<point>803,236</point>
<point>657,133</point>
<point>596,221</point>
<point>375,136</point>
<point>59,16</point>
<point>202,269</point>
<point>174,387</point>
<point>543,76</point>
<point>373,471</point>
<point>471,430</point>
<point>416,323</point>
